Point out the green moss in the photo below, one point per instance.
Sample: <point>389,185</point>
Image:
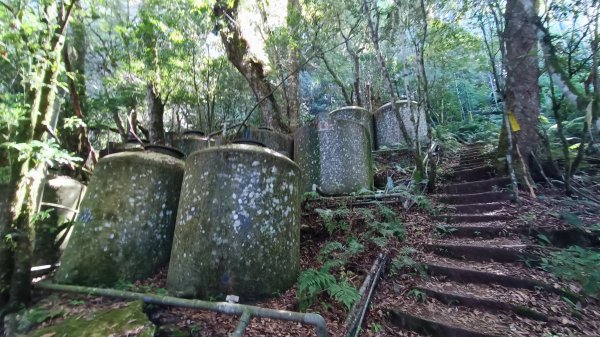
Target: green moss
<point>129,320</point>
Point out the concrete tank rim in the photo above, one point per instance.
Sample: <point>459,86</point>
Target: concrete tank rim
<point>247,149</point>
<point>140,154</point>
<point>315,123</point>
<point>355,107</point>
<point>387,105</point>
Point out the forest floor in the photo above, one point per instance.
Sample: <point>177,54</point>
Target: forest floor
<point>449,272</point>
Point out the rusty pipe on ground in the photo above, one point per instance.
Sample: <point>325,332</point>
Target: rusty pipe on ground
<point>246,311</point>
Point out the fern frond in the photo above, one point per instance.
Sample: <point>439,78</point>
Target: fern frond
<point>344,293</point>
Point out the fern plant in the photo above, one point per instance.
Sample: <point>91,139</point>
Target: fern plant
<point>344,292</point>
<point>312,283</point>
<point>334,220</point>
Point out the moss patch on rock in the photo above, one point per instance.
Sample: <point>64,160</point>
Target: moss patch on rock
<point>126,321</point>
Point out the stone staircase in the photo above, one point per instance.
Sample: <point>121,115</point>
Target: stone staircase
<point>476,284</point>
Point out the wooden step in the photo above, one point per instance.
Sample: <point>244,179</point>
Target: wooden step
<point>495,298</point>
<point>480,186</point>
<point>478,208</point>
<point>510,275</point>
<point>474,174</point>
<point>434,318</point>
<point>499,250</point>
<point>480,230</point>
<point>460,218</point>
<point>472,198</point>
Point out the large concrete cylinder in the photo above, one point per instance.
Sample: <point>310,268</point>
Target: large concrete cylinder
<point>238,227</point>
<point>125,226</point>
<point>387,129</point>
<point>274,140</point>
<point>356,114</point>
<point>61,197</point>
<point>334,156</point>
<point>191,141</point>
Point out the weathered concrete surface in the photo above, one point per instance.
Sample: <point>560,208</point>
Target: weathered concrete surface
<point>274,140</point>
<point>125,226</point>
<point>129,320</point>
<point>191,141</point>
<point>307,156</point>
<point>334,156</point>
<point>238,227</point>
<point>61,197</point>
<point>387,130</point>
<point>359,115</point>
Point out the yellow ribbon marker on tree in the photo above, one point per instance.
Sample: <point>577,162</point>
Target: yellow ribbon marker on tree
<point>514,125</point>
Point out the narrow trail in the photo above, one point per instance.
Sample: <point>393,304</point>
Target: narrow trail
<point>477,284</point>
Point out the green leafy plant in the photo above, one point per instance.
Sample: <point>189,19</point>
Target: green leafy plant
<point>334,219</point>
<point>576,264</point>
<point>312,283</point>
<point>404,260</point>
<point>417,294</point>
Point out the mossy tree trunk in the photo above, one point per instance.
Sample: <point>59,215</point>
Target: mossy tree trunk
<point>253,70</point>
<point>522,96</point>
<point>15,253</point>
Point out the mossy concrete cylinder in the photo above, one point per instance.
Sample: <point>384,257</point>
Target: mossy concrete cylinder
<point>356,114</point>
<point>274,140</point>
<point>125,226</point>
<point>334,156</point>
<point>387,130</point>
<point>191,141</point>
<point>238,227</point>
<point>61,198</point>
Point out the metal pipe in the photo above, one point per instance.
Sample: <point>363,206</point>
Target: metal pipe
<point>227,308</point>
<point>244,321</point>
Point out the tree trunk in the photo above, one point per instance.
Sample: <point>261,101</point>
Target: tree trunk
<point>337,80</point>
<point>293,89</point>
<point>156,110</point>
<point>16,281</point>
<point>522,98</point>
<point>251,68</point>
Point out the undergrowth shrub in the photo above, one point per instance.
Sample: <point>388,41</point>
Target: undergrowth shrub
<point>576,264</point>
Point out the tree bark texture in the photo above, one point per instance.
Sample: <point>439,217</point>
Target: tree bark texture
<point>251,68</point>
<point>522,97</point>
<point>156,108</point>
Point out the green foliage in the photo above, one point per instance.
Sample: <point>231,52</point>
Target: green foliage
<point>334,219</point>
<point>48,152</point>
<point>417,294</point>
<point>311,283</point>
<point>576,264</point>
<point>404,261</point>
<point>308,196</point>
<point>344,292</point>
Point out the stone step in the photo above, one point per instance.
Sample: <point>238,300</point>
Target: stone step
<point>434,318</point>
<point>481,159</point>
<point>532,304</point>
<point>509,275</point>
<point>474,174</point>
<point>479,208</point>
<point>465,199</point>
<point>460,218</point>
<point>499,249</point>
<point>480,230</point>
<point>487,185</point>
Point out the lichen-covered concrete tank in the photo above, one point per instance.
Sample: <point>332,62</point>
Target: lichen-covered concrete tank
<point>238,227</point>
<point>191,141</point>
<point>356,114</point>
<point>125,226</point>
<point>334,156</point>
<point>61,198</point>
<point>274,140</point>
<point>387,129</point>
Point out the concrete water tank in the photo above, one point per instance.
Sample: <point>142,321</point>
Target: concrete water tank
<point>334,156</point>
<point>356,114</point>
<point>387,129</point>
<point>238,227</point>
<point>125,226</point>
<point>191,141</point>
<point>61,198</point>
<point>274,140</point>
